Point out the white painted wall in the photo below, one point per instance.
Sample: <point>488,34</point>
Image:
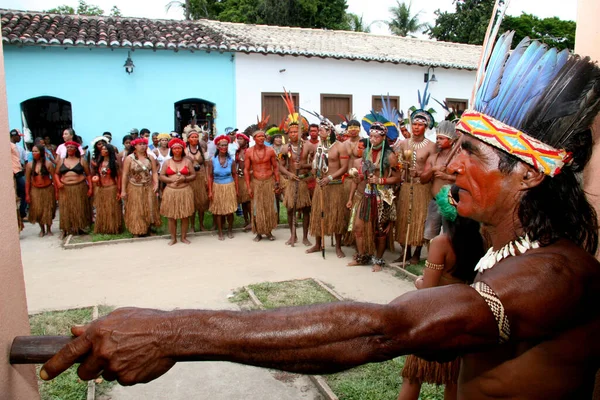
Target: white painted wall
<point>256,73</point>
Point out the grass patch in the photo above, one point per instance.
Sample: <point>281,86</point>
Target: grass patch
<point>291,293</point>
<point>377,381</point>
<point>416,269</point>
<point>238,222</point>
<point>66,386</point>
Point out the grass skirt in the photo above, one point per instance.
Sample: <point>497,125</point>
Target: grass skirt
<point>264,211</point>
<point>418,371</point>
<point>177,203</point>
<point>109,211</point>
<point>141,209</point>
<point>335,212</point>
<point>303,195</point>
<point>421,197</point>
<point>224,200</point>
<point>244,196</point>
<point>75,207</point>
<point>200,190</point>
<point>43,205</point>
<point>367,233</point>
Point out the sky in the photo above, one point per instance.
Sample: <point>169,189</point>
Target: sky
<point>371,10</point>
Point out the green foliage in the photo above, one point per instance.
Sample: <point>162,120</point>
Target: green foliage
<point>467,24</point>
<point>356,23</point>
<point>241,11</point>
<point>84,8</point>
<point>115,12</point>
<point>62,10</point>
<point>325,14</point>
<point>552,31</point>
<point>403,23</point>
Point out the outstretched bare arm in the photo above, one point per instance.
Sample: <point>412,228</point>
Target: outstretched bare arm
<point>137,345</point>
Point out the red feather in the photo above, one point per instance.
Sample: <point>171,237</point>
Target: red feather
<point>262,122</point>
<point>289,101</point>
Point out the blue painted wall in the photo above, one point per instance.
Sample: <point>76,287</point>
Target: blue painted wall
<point>105,98</point>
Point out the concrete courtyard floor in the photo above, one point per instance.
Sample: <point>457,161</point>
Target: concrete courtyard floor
<point>199,275</point>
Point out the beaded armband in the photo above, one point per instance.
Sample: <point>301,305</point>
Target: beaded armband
<point>435,267</point>
<point>497,309</point>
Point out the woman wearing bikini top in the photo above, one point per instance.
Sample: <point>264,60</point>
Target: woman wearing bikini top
<point>107,200</point>
<point>178,197</point>
<point>138,190</point>
<point>73,188</point>
<point>39,190</point>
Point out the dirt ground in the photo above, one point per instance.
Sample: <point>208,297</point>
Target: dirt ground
<point>200,275</point>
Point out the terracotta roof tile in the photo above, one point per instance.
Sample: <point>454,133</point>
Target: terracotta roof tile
<point>35,28</point>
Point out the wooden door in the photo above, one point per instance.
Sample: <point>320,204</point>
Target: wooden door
<point>334,104</point>
<point>276,108</point>
<point>376,103</point>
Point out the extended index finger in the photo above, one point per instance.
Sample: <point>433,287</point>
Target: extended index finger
<point>66,357</point>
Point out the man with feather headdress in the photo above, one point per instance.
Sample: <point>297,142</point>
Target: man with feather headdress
<point>295,166</point>
<point>527,328</point>
<point>374,215</point>
<point>329,215</point>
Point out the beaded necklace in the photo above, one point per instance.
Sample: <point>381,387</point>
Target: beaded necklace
<point>418,145</point>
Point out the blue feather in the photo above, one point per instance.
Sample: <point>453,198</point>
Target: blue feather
<point>514,96</point>
<point>494,71</point>
<point>546,70</point>
<point>524,89</point>
<point>508,76</point>
<point>508,84</point>
<point>426,96</point>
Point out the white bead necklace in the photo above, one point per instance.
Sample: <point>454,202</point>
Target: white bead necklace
<point>491,258</point>
<point>418,145</point>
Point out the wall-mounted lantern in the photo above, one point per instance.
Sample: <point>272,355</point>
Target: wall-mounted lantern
<point>430,78</point>
<point>129,64</point>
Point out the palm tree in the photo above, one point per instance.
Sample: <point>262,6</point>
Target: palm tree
<point>357,24</point>
<point>403,23</point>
<point>184,5</point>
<point>194,9</point>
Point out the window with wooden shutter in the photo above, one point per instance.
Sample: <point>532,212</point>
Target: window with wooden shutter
<point>334,104</point>
<point>275,107</point>
<point>376,104</point>
<point>458,105</point>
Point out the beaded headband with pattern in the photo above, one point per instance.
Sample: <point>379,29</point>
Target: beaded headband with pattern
<point>539,155</point>
<point>532,102</point>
